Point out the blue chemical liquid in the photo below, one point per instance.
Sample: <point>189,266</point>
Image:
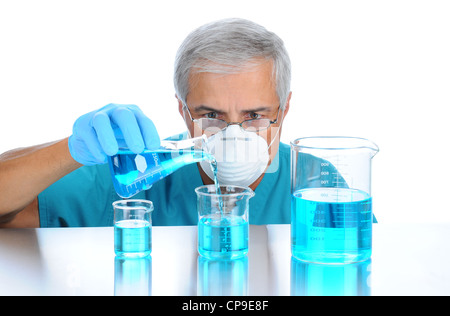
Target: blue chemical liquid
<point>222,237</point>
<point>132,238</point>
<point>331,225</point>
<point>133,173</point>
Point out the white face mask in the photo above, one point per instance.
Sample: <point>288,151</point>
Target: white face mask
<point>241,156</point>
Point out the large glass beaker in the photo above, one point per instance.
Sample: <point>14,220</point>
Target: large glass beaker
<point>331,210</point>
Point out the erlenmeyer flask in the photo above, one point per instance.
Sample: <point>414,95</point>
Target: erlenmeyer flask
<point>133,173</point>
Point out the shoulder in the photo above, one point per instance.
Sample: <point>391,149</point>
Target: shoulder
<point>284,150</point>
<point>284,155</point>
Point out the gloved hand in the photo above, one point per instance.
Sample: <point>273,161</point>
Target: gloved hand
<point>100,133</point>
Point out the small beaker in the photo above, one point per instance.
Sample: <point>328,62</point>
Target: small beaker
<point>133,228</point>
<point>331,220</point>
<point>223,221</point>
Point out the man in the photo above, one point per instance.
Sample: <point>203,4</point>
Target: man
<point>232,82</point>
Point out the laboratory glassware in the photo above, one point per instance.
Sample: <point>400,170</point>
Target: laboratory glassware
<point>331,208</point>
<point>132,173</point>
<point>223,221</point>
<point>132,228</point>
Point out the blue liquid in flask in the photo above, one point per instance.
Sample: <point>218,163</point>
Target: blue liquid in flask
<point>133,173</point>
<point>223,237</point>
<point>132,238</point>
<point>331,225</point>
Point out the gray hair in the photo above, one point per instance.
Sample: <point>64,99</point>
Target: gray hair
<point>231,46</point>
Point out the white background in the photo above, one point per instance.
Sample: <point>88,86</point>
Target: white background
<point>374,69</point>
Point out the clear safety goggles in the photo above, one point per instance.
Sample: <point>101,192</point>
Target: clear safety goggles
<point>252,125</point>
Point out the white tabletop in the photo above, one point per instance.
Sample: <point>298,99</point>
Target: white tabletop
<point>407,259</point>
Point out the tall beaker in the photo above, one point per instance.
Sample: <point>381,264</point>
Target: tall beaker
<point>331,210</point>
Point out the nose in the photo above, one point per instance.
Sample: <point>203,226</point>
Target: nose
<point>234,116</point>
<point>233,132</point>
<point>234,126</point>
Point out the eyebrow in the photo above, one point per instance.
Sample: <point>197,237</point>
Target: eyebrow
<point>207,108</point>
<point>260,109</point>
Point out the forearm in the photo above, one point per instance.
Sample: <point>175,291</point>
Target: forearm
<point>26,172</point>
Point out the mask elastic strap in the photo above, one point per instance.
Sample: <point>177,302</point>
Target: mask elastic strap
<point>276,134</point>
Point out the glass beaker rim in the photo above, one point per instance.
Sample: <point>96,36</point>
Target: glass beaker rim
<point>345,142</point>
<point>122,204</point>
<point>212,192</point>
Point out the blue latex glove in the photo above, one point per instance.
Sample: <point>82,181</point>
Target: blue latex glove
<point>100,133</point>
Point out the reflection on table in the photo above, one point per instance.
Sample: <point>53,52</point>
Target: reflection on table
<point>81,261</point>
<point>230,278</point>
<point>222,277</point>
<point>311,279</point>
<point>133,277</point>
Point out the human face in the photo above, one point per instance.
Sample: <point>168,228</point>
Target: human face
<point>236,98</point>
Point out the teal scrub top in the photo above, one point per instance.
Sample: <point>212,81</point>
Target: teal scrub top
<point>85,196</point>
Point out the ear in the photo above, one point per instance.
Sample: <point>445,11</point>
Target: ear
<point>186,120</point>
<point>180,106</point>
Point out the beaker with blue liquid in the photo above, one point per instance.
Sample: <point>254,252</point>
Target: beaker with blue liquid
<point>133,228</point>
<point>223,221</point>
<point>133,173</point>
<point>331,208</point>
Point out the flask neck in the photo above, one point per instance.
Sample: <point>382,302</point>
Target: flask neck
<point>196,143</point>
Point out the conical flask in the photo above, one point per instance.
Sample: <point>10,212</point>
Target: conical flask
<point>132,173</point>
